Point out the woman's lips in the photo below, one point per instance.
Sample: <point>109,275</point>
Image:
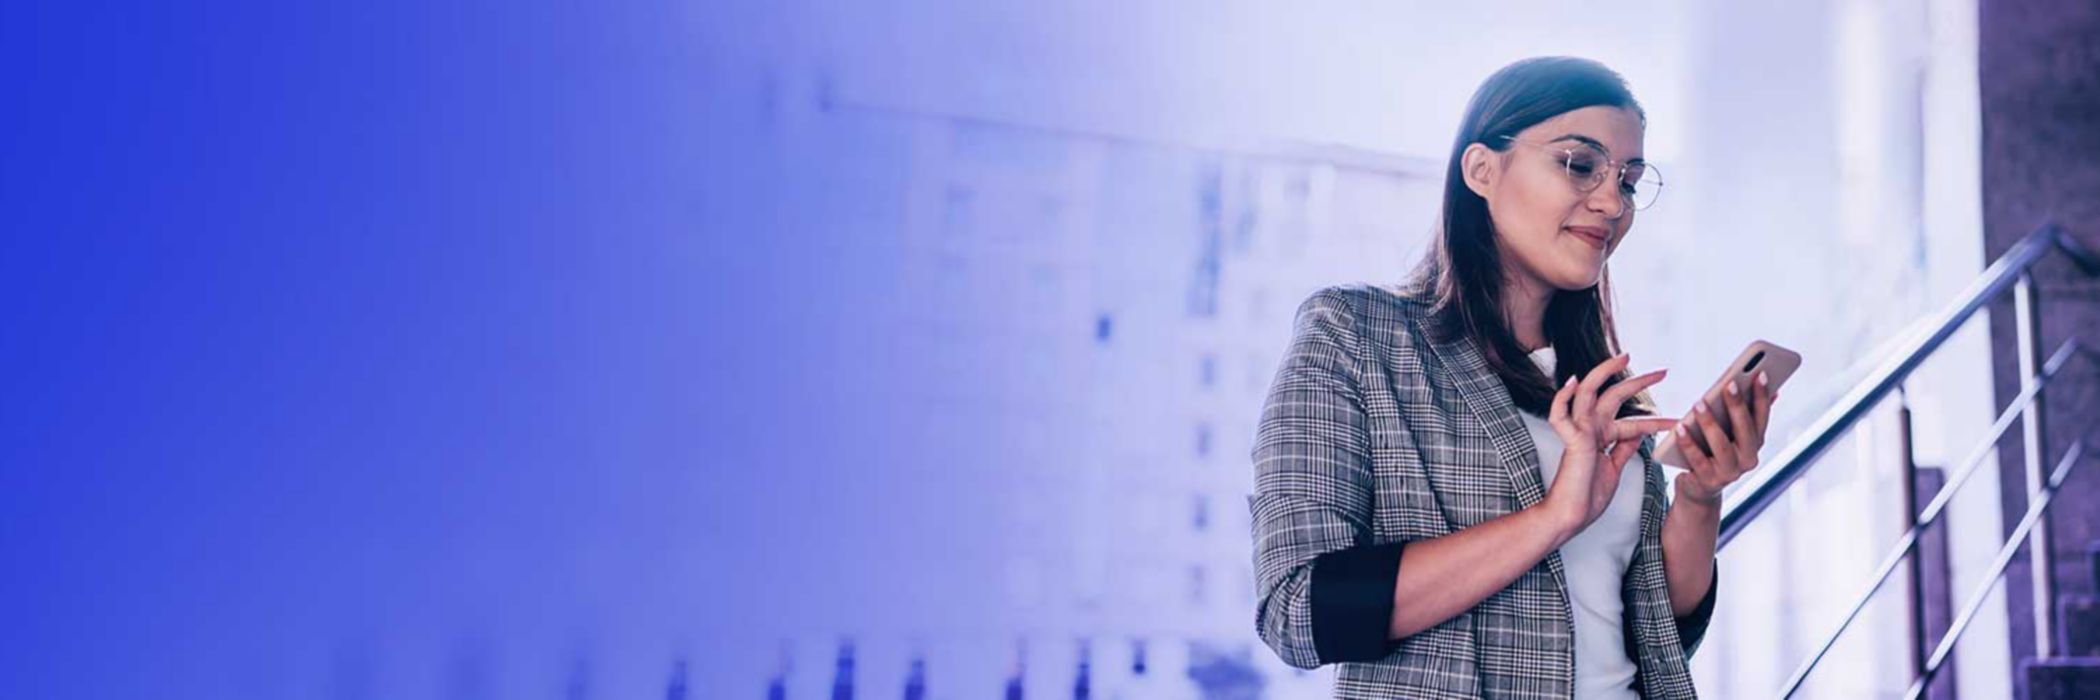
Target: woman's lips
<point>1591,235</point>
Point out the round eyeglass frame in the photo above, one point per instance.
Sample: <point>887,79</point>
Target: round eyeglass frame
<point>1648,172</point>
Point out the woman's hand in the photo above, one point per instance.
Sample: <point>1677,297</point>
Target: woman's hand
<point>1588,424</point>
<point>1725,459</point>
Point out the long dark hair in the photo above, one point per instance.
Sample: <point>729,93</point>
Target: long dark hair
<point>1463,269</point>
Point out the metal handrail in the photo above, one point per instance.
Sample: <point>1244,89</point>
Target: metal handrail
<point>2012,270</point>
<point>1791,463</point>
<point>1909,539</point>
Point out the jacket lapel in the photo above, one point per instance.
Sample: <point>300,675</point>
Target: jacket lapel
<point>1489,401</point>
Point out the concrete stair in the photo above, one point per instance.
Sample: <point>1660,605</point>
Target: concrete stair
<point>2075,673</point>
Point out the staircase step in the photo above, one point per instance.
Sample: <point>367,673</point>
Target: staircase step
<point>2092,564</point>
<point>2072,678</point>
<point>2079,618</point>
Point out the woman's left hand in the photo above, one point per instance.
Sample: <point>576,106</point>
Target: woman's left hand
<point>1725,459</point>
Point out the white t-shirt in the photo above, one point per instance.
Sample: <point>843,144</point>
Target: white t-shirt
<point>1595,561</point>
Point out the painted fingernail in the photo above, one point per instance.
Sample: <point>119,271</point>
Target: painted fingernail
<point>1700,407</point>
<point>1763,380</point>
<point>1731,389</point>
<point>1683,432</point>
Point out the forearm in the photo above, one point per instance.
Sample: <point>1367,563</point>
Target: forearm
<point>1688,537</point>
<point>1444,576</point>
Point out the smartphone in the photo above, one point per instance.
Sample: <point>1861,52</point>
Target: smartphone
<point>1776,362</point>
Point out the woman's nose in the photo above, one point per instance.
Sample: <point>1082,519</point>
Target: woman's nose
<point>1606,200</point>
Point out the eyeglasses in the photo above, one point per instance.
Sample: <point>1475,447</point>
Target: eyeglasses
<point>1586,166</point>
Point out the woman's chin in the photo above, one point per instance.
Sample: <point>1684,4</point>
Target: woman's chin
<point>1578,282</point>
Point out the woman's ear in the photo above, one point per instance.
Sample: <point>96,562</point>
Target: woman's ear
<point>1479,166</point>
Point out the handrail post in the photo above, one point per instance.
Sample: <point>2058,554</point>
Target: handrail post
<point>1916,565</point>
<point>2040,556</point>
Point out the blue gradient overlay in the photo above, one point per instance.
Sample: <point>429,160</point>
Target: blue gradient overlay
<point>456,349</point>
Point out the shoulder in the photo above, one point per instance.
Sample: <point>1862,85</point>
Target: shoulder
<point>1379,323</point>
<point>1367,306</point>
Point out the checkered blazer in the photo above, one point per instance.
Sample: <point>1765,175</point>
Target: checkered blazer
<point>1373,435</point>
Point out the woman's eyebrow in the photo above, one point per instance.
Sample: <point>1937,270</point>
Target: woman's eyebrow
<point>1599,144</point>
<point>1584,139</point>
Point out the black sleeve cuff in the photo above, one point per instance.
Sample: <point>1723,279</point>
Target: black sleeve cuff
<point>1692,627</point>
<point>1352,602</point>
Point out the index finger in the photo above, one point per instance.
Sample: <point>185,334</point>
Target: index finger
<point>1634,428</point>
<point>1586,395</point>
<point>1619,393</point>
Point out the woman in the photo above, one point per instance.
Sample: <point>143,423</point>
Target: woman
<point>1441,500</point>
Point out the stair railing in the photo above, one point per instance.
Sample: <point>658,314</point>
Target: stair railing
<point>2013,271</point>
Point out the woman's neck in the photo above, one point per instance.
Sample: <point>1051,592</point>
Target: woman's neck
<point>1524,300</point>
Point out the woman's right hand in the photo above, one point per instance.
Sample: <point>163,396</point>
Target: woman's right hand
<point>1598,442</point>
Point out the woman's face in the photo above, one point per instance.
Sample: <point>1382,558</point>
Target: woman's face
<point>1548,231</point>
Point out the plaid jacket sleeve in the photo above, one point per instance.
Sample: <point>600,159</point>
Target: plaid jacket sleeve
<point>1324,591</point>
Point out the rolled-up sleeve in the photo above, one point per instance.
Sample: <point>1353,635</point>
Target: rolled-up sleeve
<point>1691,629</point>
<point>1324,591</point>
